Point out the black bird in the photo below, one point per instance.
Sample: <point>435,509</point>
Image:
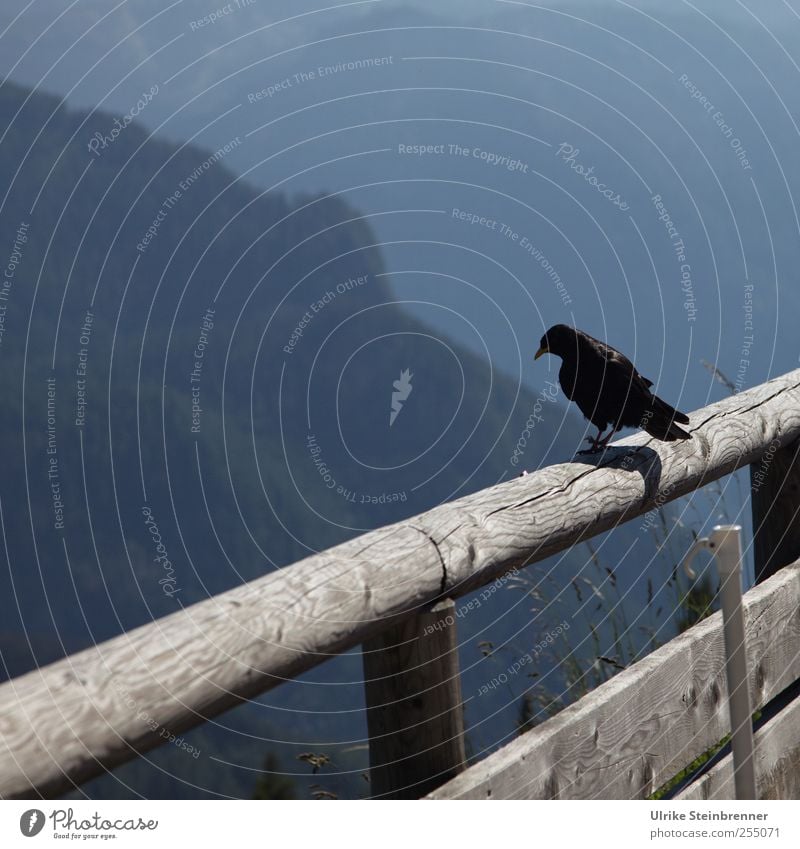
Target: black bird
<point>607,388</point>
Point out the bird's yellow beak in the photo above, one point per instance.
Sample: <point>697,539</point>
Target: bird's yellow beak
<point>542,350</point>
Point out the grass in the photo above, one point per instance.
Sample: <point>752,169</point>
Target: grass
<point>608,638</point>
<point>689,770</point>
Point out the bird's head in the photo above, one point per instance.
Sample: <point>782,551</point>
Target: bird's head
<point>559,340</point>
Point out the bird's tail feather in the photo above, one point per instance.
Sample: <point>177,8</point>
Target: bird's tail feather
<point>660,421</point>
<point>674,433</point>
<point>663,409</point>
<point>665,429</point>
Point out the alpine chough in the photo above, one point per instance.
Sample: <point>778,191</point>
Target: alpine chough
<point>607,388</point>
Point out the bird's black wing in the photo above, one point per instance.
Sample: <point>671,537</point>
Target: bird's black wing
<point>627,399</point>
<point>620,368</point>
<point>620,371</point>
<point>626,380</point>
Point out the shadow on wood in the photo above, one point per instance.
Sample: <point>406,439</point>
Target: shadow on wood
<point>775,498</point>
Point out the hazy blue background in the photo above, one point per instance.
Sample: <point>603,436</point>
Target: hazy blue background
<point>313,191</point>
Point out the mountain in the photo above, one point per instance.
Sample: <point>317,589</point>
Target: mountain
<point>287,268</point>
<point>690,104</point>
<point>291,287</point>
<point>203,382</point>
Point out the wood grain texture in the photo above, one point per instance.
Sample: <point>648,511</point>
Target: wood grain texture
<point>776,759</point>
<point>68,721</point>
<point>637,730</point>
<point>415,716</point>
<point>775,500</point>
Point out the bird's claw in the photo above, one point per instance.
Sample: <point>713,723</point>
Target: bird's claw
<point>594,445</point>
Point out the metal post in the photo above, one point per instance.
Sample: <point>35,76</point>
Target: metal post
<point>725,543</point>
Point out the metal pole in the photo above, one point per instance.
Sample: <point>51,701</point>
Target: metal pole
<point>725,543</point>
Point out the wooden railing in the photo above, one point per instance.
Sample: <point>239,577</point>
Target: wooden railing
<point>635,732</point>
<point>67,722</point>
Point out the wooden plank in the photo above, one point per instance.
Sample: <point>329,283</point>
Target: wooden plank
<point>776,759</point>
<point>71,720</point>
<point>414,712</point>
<point>775,500</point>
<point>637,730</point>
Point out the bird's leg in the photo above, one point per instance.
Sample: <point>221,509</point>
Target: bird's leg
<point>604,442</point>
<point>595,442</point>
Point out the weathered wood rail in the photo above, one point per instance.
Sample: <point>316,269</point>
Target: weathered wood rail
<point>777,762</point>
<point>639,729</point>
<point>67,722</point>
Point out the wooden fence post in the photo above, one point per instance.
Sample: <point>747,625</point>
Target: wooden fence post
<point>775,500</point>
<point>414,711</point>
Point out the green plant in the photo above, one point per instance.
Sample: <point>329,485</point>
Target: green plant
<point>272,784</point>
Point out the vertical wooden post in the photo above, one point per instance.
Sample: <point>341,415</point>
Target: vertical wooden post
<point>775,499</point>
<point>414,711</point>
